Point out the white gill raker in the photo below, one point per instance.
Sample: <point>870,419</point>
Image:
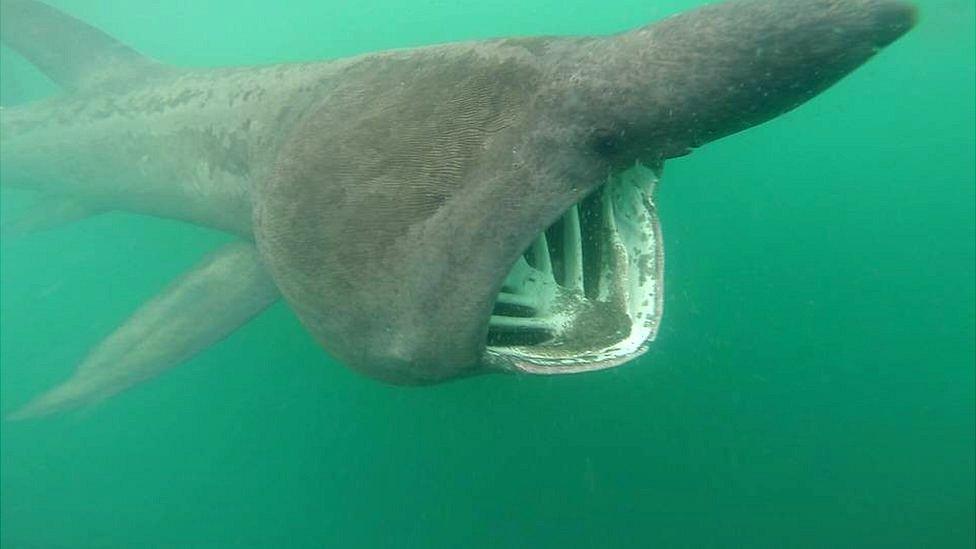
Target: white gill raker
<point>605,284</point>
<point>612,286</point>
<point>572,250</point>
<point>637,217</point>
<point>518,323</point>
<point>540,254</point>
<point>520,300</point>
<point>628,283</point>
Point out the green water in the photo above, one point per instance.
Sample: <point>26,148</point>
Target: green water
<point>812,384</point>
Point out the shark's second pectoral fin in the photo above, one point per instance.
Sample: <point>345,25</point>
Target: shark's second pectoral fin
<point>48,213</point>
<point>202,307</point>
<point>73,54</point>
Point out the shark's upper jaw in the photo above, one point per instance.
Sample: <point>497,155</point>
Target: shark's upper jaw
<point>587,294</point>
<point>590,298</point>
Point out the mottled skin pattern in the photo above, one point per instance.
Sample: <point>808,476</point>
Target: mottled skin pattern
<point>187,147</point>
<point>390,193</point>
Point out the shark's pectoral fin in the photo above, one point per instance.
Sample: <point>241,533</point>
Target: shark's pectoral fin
<point>47,213</point>
<point>71,53</point>
<point>202,307</point>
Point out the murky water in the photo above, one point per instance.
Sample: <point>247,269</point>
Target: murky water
<point>812,384</point>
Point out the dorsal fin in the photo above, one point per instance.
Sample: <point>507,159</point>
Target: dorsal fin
<point>73,54</point>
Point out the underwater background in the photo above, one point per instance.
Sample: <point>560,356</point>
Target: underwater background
<point>812,384</point>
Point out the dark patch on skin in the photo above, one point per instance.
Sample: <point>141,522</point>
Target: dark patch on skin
<point>228,152</point>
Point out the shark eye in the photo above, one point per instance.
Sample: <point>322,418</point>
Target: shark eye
<point>604,141</point>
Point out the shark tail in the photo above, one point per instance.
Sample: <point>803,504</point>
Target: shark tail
<point>220,294</point>
<point>71,53</point>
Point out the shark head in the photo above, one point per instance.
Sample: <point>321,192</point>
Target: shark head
<point>462,209</point>
<point>661,90</point>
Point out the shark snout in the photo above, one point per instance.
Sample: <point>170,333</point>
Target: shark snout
<point>729,66</point>
<point>892,20</point>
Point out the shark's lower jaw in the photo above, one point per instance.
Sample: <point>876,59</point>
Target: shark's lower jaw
<point>587,294</point>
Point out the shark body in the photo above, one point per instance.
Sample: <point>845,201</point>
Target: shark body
<point>428,213</point>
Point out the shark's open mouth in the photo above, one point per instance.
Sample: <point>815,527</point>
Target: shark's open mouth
<point>587,294</point>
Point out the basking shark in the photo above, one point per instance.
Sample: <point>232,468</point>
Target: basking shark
<point>428,213</point>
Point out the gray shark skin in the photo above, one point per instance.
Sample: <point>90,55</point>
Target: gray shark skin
<point>428,213</point>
